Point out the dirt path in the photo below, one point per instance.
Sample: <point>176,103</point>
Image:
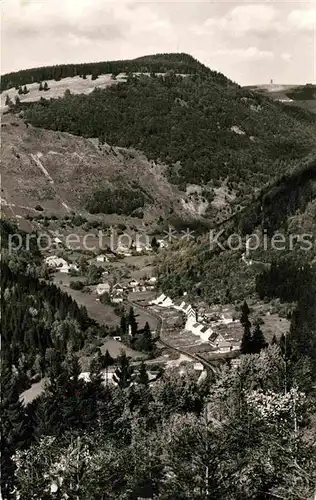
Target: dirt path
<point>37,161</point>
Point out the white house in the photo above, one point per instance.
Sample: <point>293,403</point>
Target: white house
<point>162,243</point>
<point>117,294</point>
<point>123,250</point>
<point>60,264</point>
<point>103,288</point>
<point>57,241</point>
<point>54,261</point>
<point>220,344</point>
<point>134,285</point>
<point>102,258</point>
<point>158,300</point>
<point>117,298</point>
<point>167,302</point>
<point>191,319</point>
<point>118,288</point>
<point>198,366</point>
<point>142,247</point>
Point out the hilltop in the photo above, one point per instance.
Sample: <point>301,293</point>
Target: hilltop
<point>183,145</point>
<point>156,63</point>
<point>205,128</point>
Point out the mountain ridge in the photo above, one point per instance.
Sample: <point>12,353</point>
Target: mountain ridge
<point>159,63</point>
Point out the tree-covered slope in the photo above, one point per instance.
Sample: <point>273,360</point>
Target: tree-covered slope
<point>158,63</point>
<point>36,316</point>
<point>204,127</point>
<point>214,267</point>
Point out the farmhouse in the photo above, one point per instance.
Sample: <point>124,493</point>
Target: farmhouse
<point>60,264</point>
<point>134,286</point>
<point>103,288</point>
<point>142,247</point>
<point>162,243</point>
<point>57,241</point>
<point>102,258</point>
<point>117,293</point>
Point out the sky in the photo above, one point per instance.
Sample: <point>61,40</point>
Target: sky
<point>250,42</point>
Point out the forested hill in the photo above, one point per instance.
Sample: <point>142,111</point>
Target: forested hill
<point>158,63</point>
<point>204,127</point>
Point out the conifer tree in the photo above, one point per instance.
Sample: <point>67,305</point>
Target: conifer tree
<point>154,243</point>
<point>258,341</point>
<point>46,86</point>
<point>40,88</point>
<point>244,318</point>
<point>56,372</point>
<point>246,341</point>
<point>142,377</point>
<point>123,324</point>
<point>14,424</point>
<point>96,368</point>
<point>7,470</point>
<point>20,91</point>
<point>25,90</point>
<point>124,372</point>
<point>73,367</point>
<point>147,342</point>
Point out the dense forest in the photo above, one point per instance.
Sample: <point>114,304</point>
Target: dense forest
<point>202,128</point>
<point>286,207</point>
<point>243,431</point>
<point>119,200</point>
<point>37,318</point>
<point>159,63</point>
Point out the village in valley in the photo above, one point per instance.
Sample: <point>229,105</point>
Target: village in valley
<point>188,334</point>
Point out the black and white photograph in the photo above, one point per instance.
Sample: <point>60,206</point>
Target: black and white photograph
<point>158,250</point>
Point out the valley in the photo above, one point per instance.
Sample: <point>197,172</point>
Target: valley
<point>158,283</point>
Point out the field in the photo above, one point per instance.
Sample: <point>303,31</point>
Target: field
<point>57,89</point>
<point>103,314</point>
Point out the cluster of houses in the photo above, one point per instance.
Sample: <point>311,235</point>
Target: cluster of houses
<point>138,247</point>
<point>118,292</point>
<point>207,329</point>
<point>59,264</point>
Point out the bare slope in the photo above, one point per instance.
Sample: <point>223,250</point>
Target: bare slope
<point>57,171</point>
